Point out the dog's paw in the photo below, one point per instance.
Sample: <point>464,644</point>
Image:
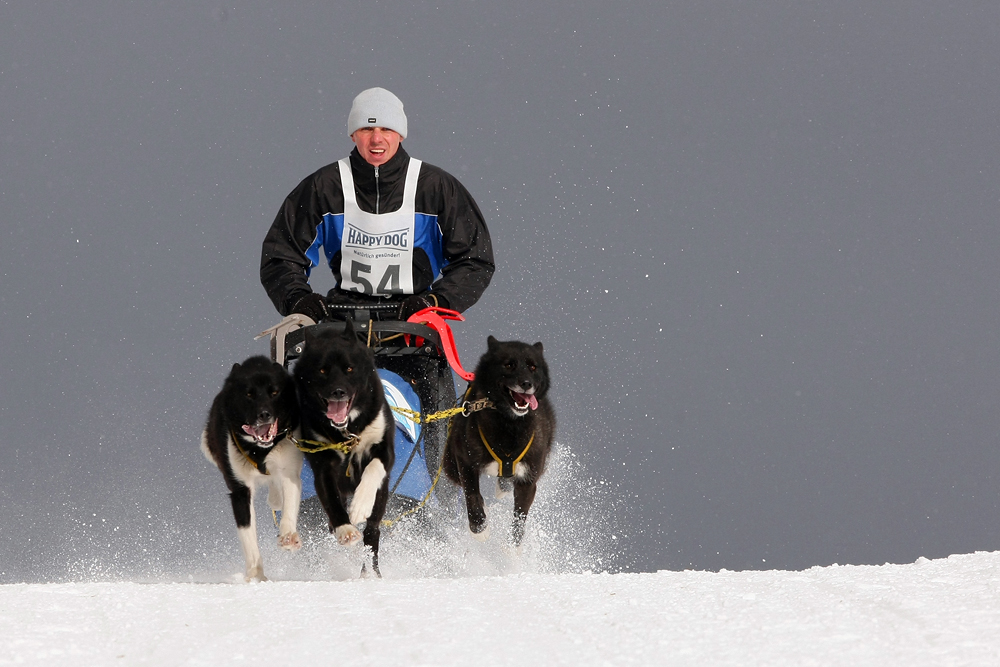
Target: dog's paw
<point>290,541</point>
<point>254,574</point>
<point>347,534</point>
<point>483,534</point>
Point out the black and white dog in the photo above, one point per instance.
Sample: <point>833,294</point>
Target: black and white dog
<point>247,438</point>
<point>509,439</point>
<point>342,403</point>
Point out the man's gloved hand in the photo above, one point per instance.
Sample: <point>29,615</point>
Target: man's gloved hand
<point>415,303</point>
<point>336,297</point>
<point>312,305</point>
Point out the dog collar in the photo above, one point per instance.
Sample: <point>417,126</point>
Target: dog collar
<point>506,465</point>
<point>468,407</point>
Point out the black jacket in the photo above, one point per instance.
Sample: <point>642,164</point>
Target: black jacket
<point>467,251</point>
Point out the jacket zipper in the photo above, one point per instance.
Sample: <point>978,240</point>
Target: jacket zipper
<point>377,195</point>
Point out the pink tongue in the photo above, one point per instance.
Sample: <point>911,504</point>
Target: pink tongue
<point>336,411</point>
<point>263,432</point>
<point>527,398</point>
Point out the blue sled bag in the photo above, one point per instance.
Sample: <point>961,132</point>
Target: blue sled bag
<point>409,476</point>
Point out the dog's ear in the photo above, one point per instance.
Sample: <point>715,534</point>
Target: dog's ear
<point>349,331</point>
<point>492,343</point>
<point>538,346</point>
<point>235,368</point>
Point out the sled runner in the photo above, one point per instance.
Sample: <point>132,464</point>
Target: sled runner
<point>415,361</point>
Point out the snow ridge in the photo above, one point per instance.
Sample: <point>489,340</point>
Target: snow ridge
<point>926,613</point>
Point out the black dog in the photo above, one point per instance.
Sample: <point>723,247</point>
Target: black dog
<point>342,403</point>
<point>509,439</point>
<point>247,439</point>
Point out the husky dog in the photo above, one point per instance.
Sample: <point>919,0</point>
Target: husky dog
<point>510,439</point>
<point>247,438</point>
<point>348,431</point>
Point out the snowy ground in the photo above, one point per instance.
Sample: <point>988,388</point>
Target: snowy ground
<point>449,600</point>
<point>938,612</point>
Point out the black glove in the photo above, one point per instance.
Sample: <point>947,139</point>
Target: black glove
<point>312,305</point>
<point>415,303</point>
<point>337,297</point>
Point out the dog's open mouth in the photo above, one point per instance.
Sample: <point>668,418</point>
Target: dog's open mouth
<point>263,433</point>
<point>523,402</point>
<point>339,412</point>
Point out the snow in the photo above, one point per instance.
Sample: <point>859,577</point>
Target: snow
<point>447,599</point>
<point>927,613</point>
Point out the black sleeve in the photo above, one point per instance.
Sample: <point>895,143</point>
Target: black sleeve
<point>283,261</point>
<point>468,251</point>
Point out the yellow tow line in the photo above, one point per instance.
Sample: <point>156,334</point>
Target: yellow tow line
<point>388,523</point>
<point>422,419</point>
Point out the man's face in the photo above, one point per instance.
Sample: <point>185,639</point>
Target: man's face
<point>377,145</point>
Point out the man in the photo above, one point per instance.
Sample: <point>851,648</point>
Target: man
<point>392,229</point>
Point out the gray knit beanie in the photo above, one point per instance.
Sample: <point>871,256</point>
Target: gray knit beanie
<point>377,107</point>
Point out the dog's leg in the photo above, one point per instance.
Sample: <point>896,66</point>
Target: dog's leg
<point>371,543</point>
<point>246,528</point>
<point>329,497</point>
<point>474,503</point>
<point>288,482</point>
<point>449,466</point>
<point>524,496</point>
<point>364,496</point>
<point>373,527</point>
<point>288,536</point>
<point>275,494</point>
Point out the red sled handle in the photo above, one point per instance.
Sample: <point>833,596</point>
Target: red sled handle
<point>435,319</point>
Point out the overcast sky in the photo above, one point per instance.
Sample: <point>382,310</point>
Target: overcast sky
<point>758,239</point>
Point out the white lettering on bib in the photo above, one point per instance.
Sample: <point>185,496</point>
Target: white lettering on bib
<point>376,250</point>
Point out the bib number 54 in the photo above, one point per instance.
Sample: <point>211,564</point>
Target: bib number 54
<point>388,284</point>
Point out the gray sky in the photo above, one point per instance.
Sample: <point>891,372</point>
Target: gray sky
<point>757,239</point>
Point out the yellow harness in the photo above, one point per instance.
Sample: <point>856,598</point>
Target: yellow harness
<point>315,446</point>
<point>509,471</point>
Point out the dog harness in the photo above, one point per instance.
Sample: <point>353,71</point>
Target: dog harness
<point>506,464</point>
<point>376,249</point>
<point>316,446</point>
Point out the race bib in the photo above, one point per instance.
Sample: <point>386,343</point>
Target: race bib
<point>376,251</point>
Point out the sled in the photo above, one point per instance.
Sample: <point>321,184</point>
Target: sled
<point>416,360</point>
